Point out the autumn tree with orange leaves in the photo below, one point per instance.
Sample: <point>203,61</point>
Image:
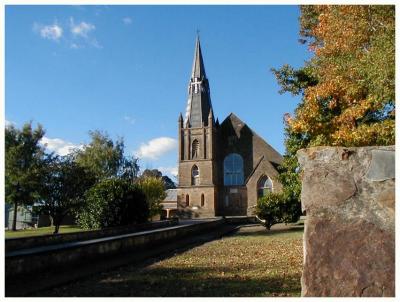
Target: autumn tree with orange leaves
<point>351,99</point>
<point>347,87</point>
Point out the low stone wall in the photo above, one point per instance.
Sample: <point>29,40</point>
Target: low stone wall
<point>349,237</point>
<point>242,220</point>
<point>13,244</point>
<point>55,257</point>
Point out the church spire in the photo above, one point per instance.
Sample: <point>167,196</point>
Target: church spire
<point>199,101</point>
<point>198,70</point>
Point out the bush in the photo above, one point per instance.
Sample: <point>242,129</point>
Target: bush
<point>278,208</point>
<point>113,202</point>
<point>153,188</point>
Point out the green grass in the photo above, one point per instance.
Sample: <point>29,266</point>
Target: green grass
<point>42,231</point>
<point>251,263</point>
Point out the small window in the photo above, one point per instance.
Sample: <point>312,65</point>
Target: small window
<point>187,200</point>
<point>202,200</point>
<point>195,176</point>
<point>195,148</point>
<point>264,186</point>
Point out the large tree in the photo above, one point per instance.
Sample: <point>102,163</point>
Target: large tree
<point>105,158</point>
<point>351,100</point>
<point>168,182</point>
<point>23,163</point>
<point>64,185</point>
<point>346,88</point>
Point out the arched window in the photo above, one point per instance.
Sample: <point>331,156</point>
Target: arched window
<point>195,148</point>
<point>195,176</point>
<point>264,185</point>
<point>202,200</point>
<point>233,170</point>
<point>187,200</point>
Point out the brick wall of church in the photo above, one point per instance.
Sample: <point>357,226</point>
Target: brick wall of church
<point>195,208</point>
<point>205,170</point>
<point>232,201</point>
<point>264,168</point>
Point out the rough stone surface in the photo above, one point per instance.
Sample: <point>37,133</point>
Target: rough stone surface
<point>349,238</point>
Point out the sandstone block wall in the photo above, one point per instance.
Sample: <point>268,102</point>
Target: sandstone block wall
<point>349,238</point>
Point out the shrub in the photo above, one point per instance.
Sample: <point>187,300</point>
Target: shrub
<point>277,208</point>
<point>153,188</point>
<point>113,202</point>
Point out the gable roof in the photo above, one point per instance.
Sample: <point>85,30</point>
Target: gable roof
<point>271,154</point>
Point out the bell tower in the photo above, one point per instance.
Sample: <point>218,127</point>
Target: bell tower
<point>197,190</point>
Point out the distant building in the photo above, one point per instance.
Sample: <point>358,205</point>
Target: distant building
<point>223,168</point>
<point>25,218</point>
<point>169,204</point>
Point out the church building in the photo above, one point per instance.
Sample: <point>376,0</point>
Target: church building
<point>223,168</point>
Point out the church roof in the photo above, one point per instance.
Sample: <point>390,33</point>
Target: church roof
<point>273,156</point>
<point>171,195</point>
<point>199,100</point>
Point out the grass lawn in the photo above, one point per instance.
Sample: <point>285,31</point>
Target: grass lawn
<point>42,231</point>
<point>251,263</point>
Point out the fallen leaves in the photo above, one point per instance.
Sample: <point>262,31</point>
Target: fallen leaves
<point>252,263</point>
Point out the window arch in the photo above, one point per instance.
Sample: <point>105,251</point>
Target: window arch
<point>195,176</point>
<point>202,200</point>
<point>233,170</point>
<point>264,185</point>
<point>195,148</point>
<point>187,200</point>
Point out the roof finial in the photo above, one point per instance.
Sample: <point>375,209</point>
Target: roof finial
<point>198,33</point>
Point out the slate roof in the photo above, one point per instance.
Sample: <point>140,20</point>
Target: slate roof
<point>199,101</point>
<point>172,195</point>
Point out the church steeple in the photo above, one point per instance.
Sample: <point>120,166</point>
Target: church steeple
<point>198,70</point>
<point>199,101</point>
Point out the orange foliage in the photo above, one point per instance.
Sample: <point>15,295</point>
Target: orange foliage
<point>354,64</point>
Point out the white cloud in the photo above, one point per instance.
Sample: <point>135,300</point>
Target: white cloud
<point>156,147</point>
<point>169,170</point>
<point>129,119</point>
<point>52,32</point>
<point>83,33</point>
<point>59,146</point>
<point>127,20</point>
<point>82,29</point>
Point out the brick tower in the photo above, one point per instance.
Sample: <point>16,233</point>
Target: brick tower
<point>197,190</point>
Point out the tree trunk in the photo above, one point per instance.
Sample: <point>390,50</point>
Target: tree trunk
<point>14,225</point>
<point>51,221</point>
<point>56,228</point>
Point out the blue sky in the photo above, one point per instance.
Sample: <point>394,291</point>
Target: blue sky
<point>125,70</point>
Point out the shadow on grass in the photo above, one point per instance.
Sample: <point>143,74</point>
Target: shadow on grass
<point>186,282</point>
<point>137,279</point>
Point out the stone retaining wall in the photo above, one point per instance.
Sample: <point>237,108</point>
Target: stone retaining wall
<point>12,244</point>
<point>349,237</point>
<point>55,257</point>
